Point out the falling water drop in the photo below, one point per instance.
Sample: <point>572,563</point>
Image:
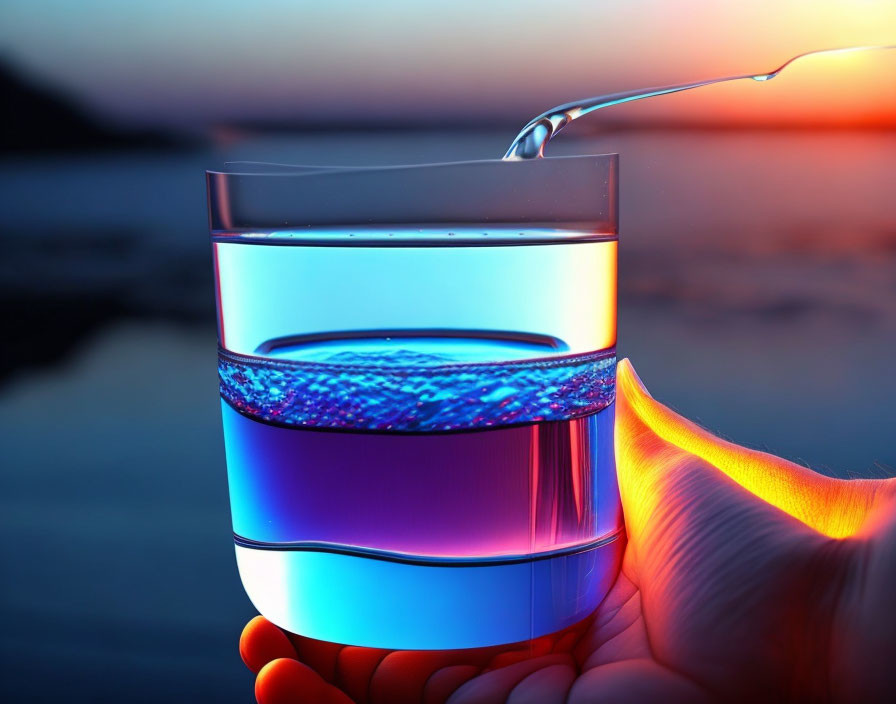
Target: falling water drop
<point>532,139</point>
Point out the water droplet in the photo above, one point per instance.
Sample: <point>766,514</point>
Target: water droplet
<point>534,137</point>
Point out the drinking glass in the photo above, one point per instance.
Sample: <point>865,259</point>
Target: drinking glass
<point>417,368</point>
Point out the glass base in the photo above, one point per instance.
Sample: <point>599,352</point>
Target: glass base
<point>412,604</point>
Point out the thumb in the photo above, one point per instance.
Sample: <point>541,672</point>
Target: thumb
<point>833,507</point>
<point>728,564</point>
<point>288,681</point>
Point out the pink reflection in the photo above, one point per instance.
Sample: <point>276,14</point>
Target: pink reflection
<point>512,491</point>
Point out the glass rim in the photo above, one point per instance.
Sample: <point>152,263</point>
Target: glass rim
<point>561,194</point>
<point>276,169</point>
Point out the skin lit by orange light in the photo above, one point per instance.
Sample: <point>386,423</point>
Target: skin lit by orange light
<point>833,507</point>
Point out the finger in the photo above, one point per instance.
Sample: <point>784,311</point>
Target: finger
<point>397,676</point>
<point>635,682</point>
<point>443,683</point>
<point>619,634</point>
<point>496,685</point>
<point>833,507</point>
<point>508,657</point>
<point>548,685</point>
<point>668,492</point>
<point>261,641</point>
<point>354,670</point>
<point>534,648</point>
<point>401,676</point>
<point>568,640</point>
<point>319,655</point>
<point>620,594</point>
<point>287,681</point>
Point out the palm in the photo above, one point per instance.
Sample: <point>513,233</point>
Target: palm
<point>733,588</point>
<point>609,649</point>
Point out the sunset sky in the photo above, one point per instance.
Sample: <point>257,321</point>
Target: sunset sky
<point>171,63</point>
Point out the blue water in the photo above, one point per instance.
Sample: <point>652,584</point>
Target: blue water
<point>471,538</point>
<point>484,520</point>
<point>558,293</point>
<point>403,389</point>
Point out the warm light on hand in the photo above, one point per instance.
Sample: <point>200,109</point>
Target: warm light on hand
<point>830,506</point>
<point>746,578</point>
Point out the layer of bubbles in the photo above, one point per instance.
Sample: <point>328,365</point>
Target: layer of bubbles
<point>403,390</point>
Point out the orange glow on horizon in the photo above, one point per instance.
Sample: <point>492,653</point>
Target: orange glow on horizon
<point>840,89</point>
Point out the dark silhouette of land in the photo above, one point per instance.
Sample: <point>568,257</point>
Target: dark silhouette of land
<point>38,118</point>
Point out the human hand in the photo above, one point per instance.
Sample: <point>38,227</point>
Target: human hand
<point>745,578</point>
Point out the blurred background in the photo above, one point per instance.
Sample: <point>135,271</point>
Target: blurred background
<point>757,270</point>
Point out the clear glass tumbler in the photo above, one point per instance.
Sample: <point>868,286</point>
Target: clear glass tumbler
<point>417,371</point>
